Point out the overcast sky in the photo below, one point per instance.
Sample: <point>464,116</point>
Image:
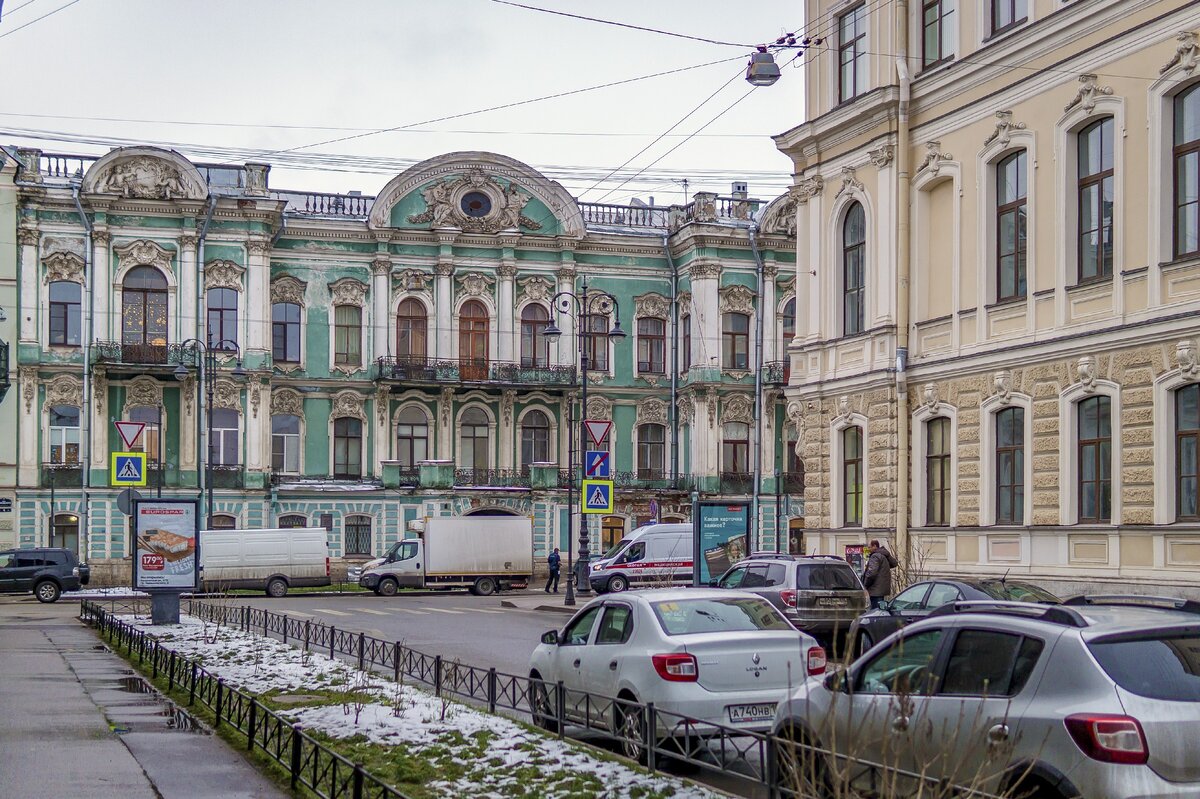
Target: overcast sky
<point>282,74</point>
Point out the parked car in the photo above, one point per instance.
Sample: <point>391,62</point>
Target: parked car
<point>652,556</point>
<point>819,594</point>
<point>46,571</point>
<point>714,656</point>
<point>1098,697</point>
<point>920,599</point>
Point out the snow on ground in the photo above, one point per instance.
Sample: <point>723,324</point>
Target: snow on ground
<point>103,593</point>
<point>474,753</point>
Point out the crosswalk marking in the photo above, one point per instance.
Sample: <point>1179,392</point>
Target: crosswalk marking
<point>447,610</point>
<point>413,612</point>
<point>477,610</point>
<point>298,613</point>
<point>372,612</point>
<point>332,612</point>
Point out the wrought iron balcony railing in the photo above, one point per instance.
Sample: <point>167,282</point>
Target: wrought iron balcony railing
<point>227,476</point>
<point>737,482</point>
<point>325,482</point>
<point>116,352</point>
<point>469,370</point>
<point>492,478</point>
<point>62,475</point>
<point>775,373</point>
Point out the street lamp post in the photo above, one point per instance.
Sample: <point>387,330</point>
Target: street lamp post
<point>582,306</point>
<point>205,359</point>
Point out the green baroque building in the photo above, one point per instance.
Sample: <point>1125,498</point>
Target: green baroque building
<point>376,360</point>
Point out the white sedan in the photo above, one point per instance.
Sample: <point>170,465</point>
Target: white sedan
<point>706,655</point>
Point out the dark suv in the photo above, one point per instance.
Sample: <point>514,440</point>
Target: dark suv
<point>819,594</point>
<point>47,572</point>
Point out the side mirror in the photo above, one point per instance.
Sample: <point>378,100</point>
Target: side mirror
<point>885,605</point>
<point>714,583</point>
<point>836,681</point>
<point>550,637</point>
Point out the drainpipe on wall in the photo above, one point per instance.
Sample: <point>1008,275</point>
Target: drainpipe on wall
<point>201,335</point>
<point>758,387</point>
<point>85,421</point>
<point>673,411</point>
<point>903,265</point>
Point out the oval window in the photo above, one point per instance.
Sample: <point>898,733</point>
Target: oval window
<point>476,204</point>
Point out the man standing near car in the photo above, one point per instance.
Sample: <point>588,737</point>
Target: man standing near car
<point>554,561</point>
<point>877,577</point>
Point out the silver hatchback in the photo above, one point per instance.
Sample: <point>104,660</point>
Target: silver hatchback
<point>1096,698</point>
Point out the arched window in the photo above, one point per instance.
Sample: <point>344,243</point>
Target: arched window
<point>285,332</point>
<point>411,331</point>
<point>222,521</point>
<point>412,437</point>
<point>65,531</point>
<point>358,536</point>
<point>222,319</point>
<point>65,305</point>
<point>1010,466</point>
<point>1187,447</point>
<point>1187,171</point>
<point>474,432</point>
<point>285,444</point>
<point>347,449</point>
<point>652,345</point>
<point>735,447</point>
<point>852,477</point>
<point>1011,190</point>
<point>347,335</point>
<point>64,434</point>
<point>144,316</point>
<point>223,447</point>
<point>735,341</point>
<point>937,471</point>
<point>535,439</point>
<point>854,247</point>
<point>473,340</point>
<point>1095,459</point>
<point>535,347</point>
<point>651,451</point>
<point>1096,201</point>
<point>292,521</point>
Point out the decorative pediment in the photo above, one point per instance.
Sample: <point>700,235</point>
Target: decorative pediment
<point>227,395</point>
<point>737,299</point>
<point>476,284</point>
<point>145,173</point>
<point>223,275</point>
<point>934,158</point>
<point>651,304</point>
<point>64,390</point>
<point>143,253</point>
<point>738,408</point>
<point>142,392</point>
<point>63,266</point>
<point>652,411</point>
<point>779,216</point>
<point>285,402</point>
<point>288,289</point>
<point>475,202</point>
<point>849,181</point>
<point>1186,54</point>
<point>535,288</point>
<point>348,291</point>
<point>1005,128</point>
<point>349,404</point>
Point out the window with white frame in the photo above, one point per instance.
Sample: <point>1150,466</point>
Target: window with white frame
<point>535,439</point>
<point>285,332</point>
<point>223,447</point>
<point>852,53</point>
<point>1186,157</point>
<point>412,437</point>
<point>1010,465</point>
<point>937,31</point>
<point>852,476</point>
<point>651,452</point>
<point>474,435</point>
<point>937,472</point>
<point>1096,197</point>
<point>64,434</point>
<point>411,331</point>
<point>1187,452</point>
<point>1011,202</point>
<point>535,345</point>
<point>1094,428</point>
<point>222,307</point>
<point>285,444</point>
<point>854,246</point>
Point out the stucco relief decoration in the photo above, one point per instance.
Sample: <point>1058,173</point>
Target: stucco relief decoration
<point>1185,358</point>
<point>64,390</point>
<point>704,269</point>
<point>228,395</point>
<point>223,275</point>
<point>382,397</point>
<point>536,288</point>
<point>809,187</point>
<point>187,390</point>
<point>844,408</point>
<point>1087,94</point>
<point>849,181</point>
<point>882,156</point>
<point>1085,370</point>
<point>1002,385</point>
<point>507,405</point>
<point>506,271</point>
<point>142,392</point>
<point>1005,128</point>
<point>66,244</point>
<point>934,158</point>
<point>655,305</point>
<point>63,266</point>
<point>705,206</point>
<point>256,178</point>
<point>652,411</point>
<point>147,178</point>
<point>476,284</point>
<point>285,402</point>
<point>780,215</point>
<point>255,397</point>
<point>738,408</point>
<point>27,236</point>
<point>443,206</point>
<point>446,405</point>
<point>685,302</point>
<point>737,299</point>
<point>414,280</point>
<point>1186,53</point>
<point>685,411</point>
<point>599,408</point>
<point>929,396</point>
<point>348,404</point>
<point>143,253</point>
<point>287,289</point>
<point>348,291</point>
<point>29,386</point>
<point>710,399</point>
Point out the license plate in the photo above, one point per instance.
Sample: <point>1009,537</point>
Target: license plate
<point>748,714</point>
<point>832,602</point>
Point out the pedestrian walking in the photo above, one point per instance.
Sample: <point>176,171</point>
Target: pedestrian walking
<point>554,561</point>
<point>877,577</point>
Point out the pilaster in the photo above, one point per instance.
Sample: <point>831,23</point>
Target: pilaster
<point>381,271</point>
<point>27,238</point>
<point>506,310</point>
<point>191,313</point>
<point>103,328</point>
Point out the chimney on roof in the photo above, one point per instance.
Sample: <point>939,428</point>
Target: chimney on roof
<point>741,190</point>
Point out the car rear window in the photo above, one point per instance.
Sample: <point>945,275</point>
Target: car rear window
<point>736,614</point>
<point>1016,592</point>
<point>826,577</point>
<point>1158,665</point>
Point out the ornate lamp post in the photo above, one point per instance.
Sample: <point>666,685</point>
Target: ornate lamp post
<point>582,307</point>
<point>204,359</point>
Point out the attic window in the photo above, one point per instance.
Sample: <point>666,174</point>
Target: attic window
<point>476,204</point>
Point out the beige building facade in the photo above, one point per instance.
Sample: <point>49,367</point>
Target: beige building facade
<point>998,286</point>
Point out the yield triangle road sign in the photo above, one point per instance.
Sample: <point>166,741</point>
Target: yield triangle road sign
<point>130,432</point>
<point>597,430</point>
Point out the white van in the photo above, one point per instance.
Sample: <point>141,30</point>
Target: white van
<point>272,559</point>
<point>656,555</point>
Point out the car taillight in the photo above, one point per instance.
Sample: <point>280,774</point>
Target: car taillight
<point>788,597</point>
<point>326,567</point>
<point>1111,739</point>
<point>676,668</point>
<point>816,661</point>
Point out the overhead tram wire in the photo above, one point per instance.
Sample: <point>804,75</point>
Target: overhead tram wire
<point>622,24</point>
<point>15,9</point>
<point>36,19</point>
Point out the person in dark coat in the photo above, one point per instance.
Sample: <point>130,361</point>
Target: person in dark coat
<point>554,561</point>
<point>877,577</point>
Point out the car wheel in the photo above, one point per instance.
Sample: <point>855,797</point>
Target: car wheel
<point>541,706</point>
<point>617,584</point>
<point>277,587</point>
<point>47,591</point>
<point>631,729</point>
<point>800,767</point>
<point>485,586</point>
<point>387,587</point>
<point>863,644</point>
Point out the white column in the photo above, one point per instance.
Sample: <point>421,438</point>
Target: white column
<point>443,307</point>
<point>768,310</point>
<point>706,314</point>
<point>508,457</point>
<point>381,448</point>
<point>187,423</point>
<point>506,311</point>
<point>100,418</point>
<point>258,300</point>
<point>568,348</point>
<point>381,271</point>
<point>31,420</point>
<point>258,431</point>
<point>103,325</point>
<point>190,323</point>
<point>31,279</point>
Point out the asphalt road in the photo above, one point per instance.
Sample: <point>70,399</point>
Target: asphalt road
<point>456,625</point>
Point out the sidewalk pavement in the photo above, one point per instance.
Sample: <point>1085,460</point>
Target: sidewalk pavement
<point>69,725</point>
<point>538,599</point>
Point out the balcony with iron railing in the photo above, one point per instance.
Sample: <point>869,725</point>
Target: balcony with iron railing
<point>324,482</point>
<point>62,475</point>
<point>118,353</point>
<point>776,373</point>
<point>491,478</point>
<point>737,483</point>
<point>440,371</point>
<point>227,476</point>
<point>792,482</point>
<point>640,480</point>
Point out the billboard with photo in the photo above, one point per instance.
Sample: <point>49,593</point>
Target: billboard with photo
<point>166,545</point>
<point>722,532</point>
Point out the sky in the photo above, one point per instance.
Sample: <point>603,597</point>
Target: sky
<point>236,80</point>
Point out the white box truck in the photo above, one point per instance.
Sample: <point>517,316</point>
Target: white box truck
<point>273,559</point>
<point>481,553</point>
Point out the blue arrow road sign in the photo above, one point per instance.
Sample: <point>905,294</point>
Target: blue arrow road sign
<point>596,463</point>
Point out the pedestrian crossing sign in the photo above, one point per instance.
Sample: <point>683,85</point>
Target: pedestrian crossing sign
<point>128,469</point>
<point>597,496</point>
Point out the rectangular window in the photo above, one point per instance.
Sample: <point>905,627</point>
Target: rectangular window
<point>285,332</point>
<point>686,324</point>
<point>347,449</point>
<point>412,444</point>
<point>651,451</point>
<point>1008,14</point>
<point>1095,460</point>
<point>1187,172</point>
<point>937,31</point>
<point>1096,201</point>
<point>65,313</point>
<point>1010,227</point>
<point>652,346</point>
<point>1187,446</point>
<point>1010,466</point>
<point>852,477</point>
<point>596,342</point>
<point>852,54</point>
<point>223,446</point>
<point>735,341</point>
<point>937,472</point>
<point>347,335</point>
<point>64,434</point>
<point>285,444</point>
<point>222,319</point>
